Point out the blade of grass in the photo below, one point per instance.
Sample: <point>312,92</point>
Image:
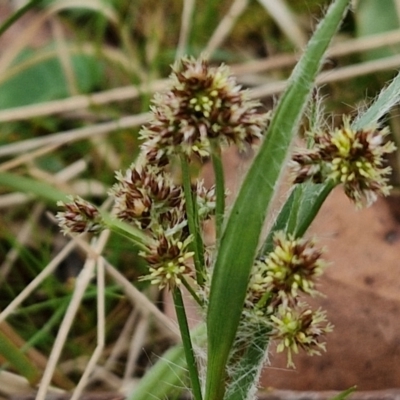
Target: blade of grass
<point>29,185</point>
<point>52,195</point>
<point>18,360</point>
<point>168,373</point>
<point>240,238</point>
<point>389,97</point>
<point>18,14</point>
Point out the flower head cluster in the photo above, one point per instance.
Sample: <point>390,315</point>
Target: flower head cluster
<point>299,327</point>
<point>147,196</point>
<point>79,216</point>
<point>353,158</point>
<point>203,104</point>
<point>169,260</point>
<point>273,296</point>
<point>292,267</point>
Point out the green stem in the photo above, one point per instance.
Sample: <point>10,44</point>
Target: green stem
<point>193,221</point>
<point>220,190</point>
<point>187,343</point>
<point>17,15</point>
<point>192,292</point>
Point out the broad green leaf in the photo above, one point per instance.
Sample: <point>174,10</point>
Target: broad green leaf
<point>38,77</point>
<point>240,238</point>
<point>372,17</point>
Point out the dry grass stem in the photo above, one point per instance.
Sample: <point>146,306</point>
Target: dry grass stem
<point>187,13</point>
<point>73,135</point>
<point>82,282</point>
<point>136,347</point>
<point>225,26</point>
<point>122,343</point>
<point>23,237</point>
<point>49,269</point>
<point>284,18</point>
<point>79,102</point>
<point>26,158</point>
<point>101,323</point>
<point>340,49</point>
<point>340,74</point>
<point>64,56</point>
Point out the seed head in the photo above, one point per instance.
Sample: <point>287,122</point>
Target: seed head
<point>299,327</point>
<point>292,267</point>
<point>353,158</point>
<point>203,104</point>
<point>147,196</point>
<point>79,216</point>
<point>169,260</point>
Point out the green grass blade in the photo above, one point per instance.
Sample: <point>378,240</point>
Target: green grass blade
<point>18,360</point>
<point>240,238</point>
<point>18,14</point>
<point>52,195</point>
<point>26,185</point>
<point>168,374</point>
<point>389,97</point>
<point>345,394</point>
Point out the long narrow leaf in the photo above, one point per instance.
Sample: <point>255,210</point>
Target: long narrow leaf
<point>389,97</point>
<point>18,360</point>
<point>239,241</point>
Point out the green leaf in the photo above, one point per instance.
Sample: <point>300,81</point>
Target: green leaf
<point>18,14</point>
<point>389,97</point>
<point>345,394</point>
<point>38,77</point>
<point>372,18</point>
<point>18,360</point>
<point>31,186</point>
<point>168,374</point>
<point>249,367</point>
<point>240,238</point>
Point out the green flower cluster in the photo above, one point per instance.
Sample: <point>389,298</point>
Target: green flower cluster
<point>352,158</point>
<point>273,298</point>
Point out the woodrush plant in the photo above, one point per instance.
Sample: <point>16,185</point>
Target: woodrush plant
<point>249,293</point>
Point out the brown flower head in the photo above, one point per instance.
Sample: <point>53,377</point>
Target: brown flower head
<point>147,196</point>
<point>353,158</point>
<point>203,104</point>
<point>79,216</point>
